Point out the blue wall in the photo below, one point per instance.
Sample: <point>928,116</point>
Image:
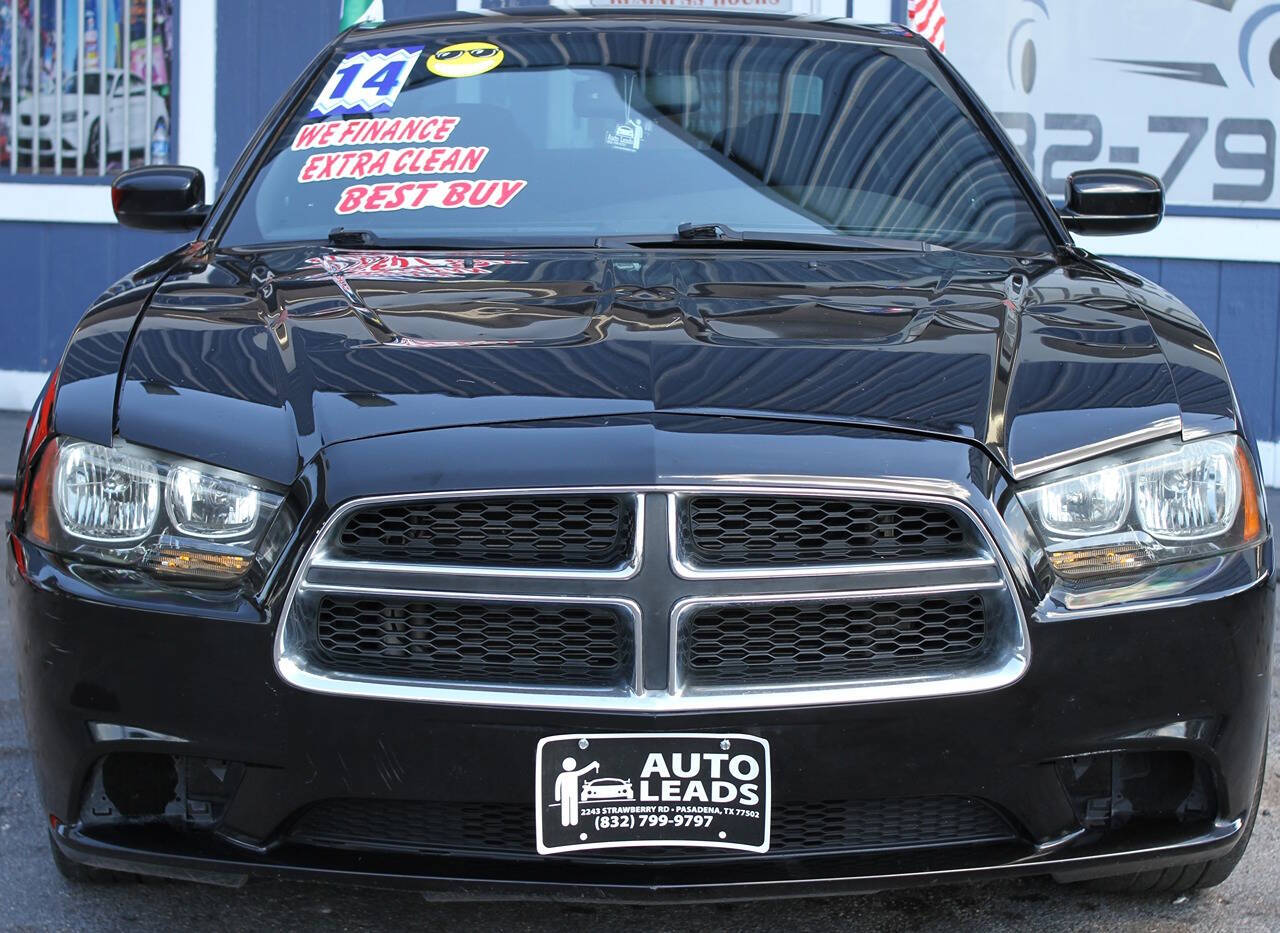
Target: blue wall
<point>1240,304</point>
<point>53,271</point>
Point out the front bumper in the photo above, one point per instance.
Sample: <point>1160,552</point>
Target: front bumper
<point>111,672</point>
<point>213,861</point>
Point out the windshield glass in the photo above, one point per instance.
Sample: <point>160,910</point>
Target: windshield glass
<point>91,84</point>
<point>586,131</point>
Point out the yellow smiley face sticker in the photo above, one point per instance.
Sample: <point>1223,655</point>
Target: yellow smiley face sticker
<point>465,60</point>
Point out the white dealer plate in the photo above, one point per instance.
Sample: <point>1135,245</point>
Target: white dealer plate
<point>652,789</point>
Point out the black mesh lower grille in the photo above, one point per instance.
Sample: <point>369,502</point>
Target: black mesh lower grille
<point>798,828</point>
<point>523,531</point>
<point>821,640</point>
<point>753,530</point>
<point>508,643</point>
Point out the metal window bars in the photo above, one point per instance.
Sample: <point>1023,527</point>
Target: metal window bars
<point>57,121</point>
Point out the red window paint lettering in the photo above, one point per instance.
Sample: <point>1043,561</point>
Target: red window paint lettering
<point>375,130</point>
<point>425,189</point>
<point>307,135</point>
<point>404,161</point>
<point>415,195</point>
<point>376,197</point>
<point>351,199</point>
<point>415,160</point>
<point>481,193</point>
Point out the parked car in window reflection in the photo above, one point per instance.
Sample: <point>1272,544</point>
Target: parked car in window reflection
<point>73,131</point>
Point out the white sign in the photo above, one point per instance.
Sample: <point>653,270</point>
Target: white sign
<point>1188,90</point>
<point>755,6</point>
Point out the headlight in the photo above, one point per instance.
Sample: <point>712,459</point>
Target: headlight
<point>129,506</point>
<point>1191,494</point>
<point>70,116</point>
<point>208,506</point>
<point>1128,513</point>
<point>1091,504</point>
<point>106,496</point>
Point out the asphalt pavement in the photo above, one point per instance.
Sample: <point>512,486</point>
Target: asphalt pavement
<point>34,897</point>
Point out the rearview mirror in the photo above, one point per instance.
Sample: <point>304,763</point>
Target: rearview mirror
<point>673,94</point>
<point>160,197</point>
<point>1107,201</point>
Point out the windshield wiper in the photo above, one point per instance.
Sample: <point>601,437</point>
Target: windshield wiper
<point>713,235</point>
<point>706,232</point>
<point>687,236</point>
<point>341,236</point>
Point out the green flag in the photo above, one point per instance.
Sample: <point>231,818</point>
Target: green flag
<point>361,11</point>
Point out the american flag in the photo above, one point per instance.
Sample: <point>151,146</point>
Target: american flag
<point>926,17</point>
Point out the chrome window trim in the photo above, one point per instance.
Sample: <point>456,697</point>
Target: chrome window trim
<point>687,569</point>
<point>623,571</point>
<point>1001,671</point>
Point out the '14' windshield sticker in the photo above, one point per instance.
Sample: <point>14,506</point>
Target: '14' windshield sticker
<point>366,82</point>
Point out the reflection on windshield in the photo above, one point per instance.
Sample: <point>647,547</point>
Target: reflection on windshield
<point>600,131</point>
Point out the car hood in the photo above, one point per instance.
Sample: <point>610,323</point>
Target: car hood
<point>49,103</point>
<point>257,360</point>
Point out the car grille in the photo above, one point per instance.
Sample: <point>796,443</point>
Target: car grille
<point>476,641</point>
<point>507,830</point>
<point>722,531</point>
<point>517,531</point>
<point>824,640</point>
<point>652,600</point>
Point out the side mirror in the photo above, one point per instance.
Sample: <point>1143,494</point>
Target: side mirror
<point>160,197</point>
<point>1107,201</point>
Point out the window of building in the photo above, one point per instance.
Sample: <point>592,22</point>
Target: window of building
<point>86,86</point>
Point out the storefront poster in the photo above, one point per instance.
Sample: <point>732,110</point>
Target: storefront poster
<point>1188,90</point>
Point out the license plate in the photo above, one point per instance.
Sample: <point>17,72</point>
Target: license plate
<point>652,789</point>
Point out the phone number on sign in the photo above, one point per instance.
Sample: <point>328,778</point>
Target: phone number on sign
<point>631,821</point>
<point>1244,151</point>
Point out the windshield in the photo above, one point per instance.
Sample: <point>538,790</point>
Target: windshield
<point>527,135</point>
<point>91,84</point>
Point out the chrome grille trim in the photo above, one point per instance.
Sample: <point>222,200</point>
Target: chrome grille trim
<point>313,677</point>
<point>987,570</point>
<point>864,687</point>
<point>623,571</point>
<point>688,569</point>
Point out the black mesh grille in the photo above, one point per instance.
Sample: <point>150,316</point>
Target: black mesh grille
<point>480,642</point>
<point>746,530</point>
<point>798,828</point>
<point>524,531</point>
<point>820,640</point>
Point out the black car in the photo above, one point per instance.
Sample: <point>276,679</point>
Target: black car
<point>641,456</point>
